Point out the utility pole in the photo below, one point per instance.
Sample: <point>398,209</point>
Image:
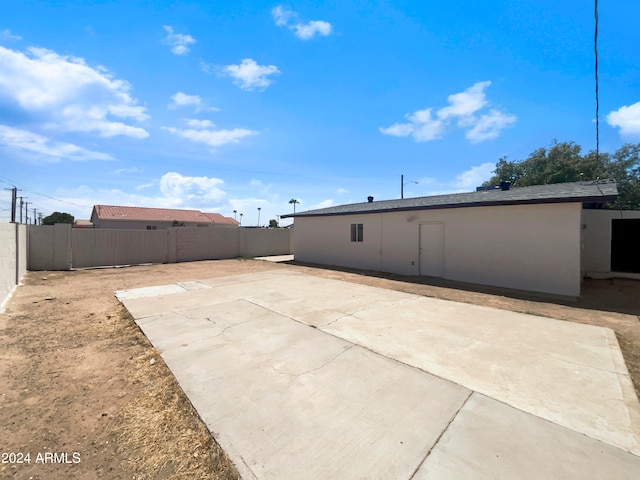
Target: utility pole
<point>21,205</point>
<point>34,216</point>
<point>26,213</point>
<point>14,196</point>
<point>39,218</point>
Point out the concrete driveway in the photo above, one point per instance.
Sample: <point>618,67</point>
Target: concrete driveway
<point>306,377</point>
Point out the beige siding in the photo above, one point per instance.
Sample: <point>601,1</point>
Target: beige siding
<point>528,247</point>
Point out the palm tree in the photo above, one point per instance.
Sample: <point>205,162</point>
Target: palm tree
<point>294,201</point>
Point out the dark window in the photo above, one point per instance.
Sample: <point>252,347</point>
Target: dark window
<point>151,227</point>
<point>357,230</point>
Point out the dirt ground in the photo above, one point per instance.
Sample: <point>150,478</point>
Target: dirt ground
<point>86,396</point>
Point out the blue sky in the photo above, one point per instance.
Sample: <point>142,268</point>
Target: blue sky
<point>223,106</point>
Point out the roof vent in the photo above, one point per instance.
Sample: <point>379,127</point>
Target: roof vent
<point>370,199</point>
<point>505,185</point>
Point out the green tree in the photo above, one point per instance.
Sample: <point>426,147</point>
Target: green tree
<point>273,223</point>
<point>58,217</point>
<point>564,162</point>
<point>294,201</point>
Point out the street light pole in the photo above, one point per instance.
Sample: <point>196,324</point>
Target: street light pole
<point>403,183</point>
<point>259,216</point>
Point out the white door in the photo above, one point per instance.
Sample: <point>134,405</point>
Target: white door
<point>432,249</point>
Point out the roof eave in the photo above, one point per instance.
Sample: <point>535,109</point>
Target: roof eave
<point>581,199</point>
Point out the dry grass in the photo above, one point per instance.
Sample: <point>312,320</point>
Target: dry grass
<point>161,419</point>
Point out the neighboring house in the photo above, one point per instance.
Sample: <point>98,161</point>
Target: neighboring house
<point>527,238</point>
<point>141,218</point>
<point>82,224</point>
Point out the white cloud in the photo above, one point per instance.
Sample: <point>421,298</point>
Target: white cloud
<point>47,149</point>
<point>6,35</point>
<point>466,103</point>
<point>213,138</point>
<point>128,170</point>
<point>175,191</point>
<point>627,119</point>
<point>180,100</point>
<point>146,185</point>
<point>422,127</point>
<point>183,100</point>
<point>249,75</point>
<point>342,191</point>
<point>489,126</point>
<point>194,123</point>
<point>191,189</point>
<point>465,109</point>
<point>323,204</point>
<point>309,30</point>
<point>473,177</point>
<point>282,15</point>
<point>64,93</point>
<point>304,31</point>
<point>178,41</point>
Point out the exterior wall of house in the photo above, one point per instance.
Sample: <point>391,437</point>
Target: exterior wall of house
<point>526,247</point>
<point>596,240</point>
<point>13,258</point>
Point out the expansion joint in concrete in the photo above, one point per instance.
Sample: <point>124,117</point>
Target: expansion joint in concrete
<point>453,417</point>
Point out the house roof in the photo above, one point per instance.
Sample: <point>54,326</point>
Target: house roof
<point>585,192</point>
<point>115,212</point>
<point>217,218</point>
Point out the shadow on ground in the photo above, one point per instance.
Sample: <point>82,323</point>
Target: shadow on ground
<point>618,295</point>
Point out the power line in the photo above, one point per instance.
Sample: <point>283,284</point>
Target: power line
<point>595,50</point>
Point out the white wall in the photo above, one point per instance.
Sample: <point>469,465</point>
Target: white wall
<point>13,258</point>
<point>596,240</point>
<point>527,247</point>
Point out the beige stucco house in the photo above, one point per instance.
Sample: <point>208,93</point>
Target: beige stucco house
<point>528,238</point>
<point>141,218</point>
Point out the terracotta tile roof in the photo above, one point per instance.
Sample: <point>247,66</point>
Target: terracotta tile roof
<point>217,218</point>
<point>113,212</point>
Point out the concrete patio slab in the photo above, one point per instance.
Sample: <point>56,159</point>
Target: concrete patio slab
<point>294,402</point>
<point>295,373</point>
<point>489,440</point>
<point>571,374</point>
